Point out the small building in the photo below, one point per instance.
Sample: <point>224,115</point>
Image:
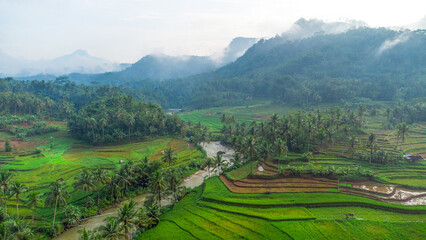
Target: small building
<point>412,158</point>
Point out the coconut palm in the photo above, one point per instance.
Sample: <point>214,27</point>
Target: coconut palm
<point>371,144</point>
<point>89,235</point>
<point>236,160</point>
<point>33,201</point>
<point>85,181</point>
<point>219,162</point>
<point>5,177</point>
<point>209,164</point>
<point>100,177</point>
<point>17,189</point>
<point>174,178</point>
<point>402,132</point>
<point>250,144</point>
<point>112,230</point>
<point>56,197</point>
<point>280,147</point>
<point>157,184</point>
<point>127,216</point>
<point>169,157</point>
<point>265,150</point>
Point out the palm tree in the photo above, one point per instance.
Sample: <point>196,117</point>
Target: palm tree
<point>127,215</point>
<point>219,162</point>
<point>124,179</point>
<point>281,147</point>
<point>402,132</point>
<point>236,160</point>
<point>112,230</point>
<point>265,150</point>
<point>32,202</point>
<point>157,185</point>
<point>5,177</point>
<point>352,141</point>
<point>371,144</point>
<point>250,143</point>
<point>130,122</point>
<point>84,181</point>
<point>56,197</point>
<point>169,157</point>
<point>209,164</point>
<point>16,189</point>
<point>89,235</point>
<point>175,179</point>
<point>100,177</point>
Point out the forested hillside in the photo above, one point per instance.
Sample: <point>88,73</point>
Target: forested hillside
<point>379,64</point>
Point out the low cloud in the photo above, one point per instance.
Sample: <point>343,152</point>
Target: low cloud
<point>389,44</point>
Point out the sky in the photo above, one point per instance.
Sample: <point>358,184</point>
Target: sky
<point>126,30</point>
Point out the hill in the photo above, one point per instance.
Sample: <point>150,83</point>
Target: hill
<point>379,64</point>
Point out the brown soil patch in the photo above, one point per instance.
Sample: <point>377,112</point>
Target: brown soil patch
<point>259,117</point>
<point>279,185</point>
<point>18,144</point>
<point>50,123</point>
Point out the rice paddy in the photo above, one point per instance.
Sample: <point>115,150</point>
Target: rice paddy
<point>213,212</point>
<point>38,165</point>
<point>251,204</point>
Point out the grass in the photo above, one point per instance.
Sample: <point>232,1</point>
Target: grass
<point>263,213</point>
<point>69,155</point>
<point>244,114</point>
<point>217,192</point>
<point>243,171</point>
<point>193,217</point>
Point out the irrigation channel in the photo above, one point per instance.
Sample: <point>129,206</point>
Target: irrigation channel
<point>191,181</point>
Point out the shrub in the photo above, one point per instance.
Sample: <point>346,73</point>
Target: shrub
<point>7,146</point>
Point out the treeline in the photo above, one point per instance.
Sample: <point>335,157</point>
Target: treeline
<point>117,118</point>
<point>102,189</point>
<point>301,132</point>
<point>321,69</point>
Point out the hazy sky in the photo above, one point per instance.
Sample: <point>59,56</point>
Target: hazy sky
<point>126,30</point>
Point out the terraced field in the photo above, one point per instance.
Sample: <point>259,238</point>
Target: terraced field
<point>39,165</point>
<point>211,117</point>
<point>216,213</point>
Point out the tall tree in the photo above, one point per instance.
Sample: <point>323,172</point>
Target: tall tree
<point>209,164</point>
<point>56,197</point>
<point>17,189</point>
<point>33,201</point>
<point>127,215</point>
<point>5,178</point>
<point>100,178</point>
<point>158,185</point>
<point>169,157</point>
<point>219,162</point>
<point>174,178</point>
<point>112,230</point>
<point>371,144</point>
<point>85,181</point>
<point>402,132</point>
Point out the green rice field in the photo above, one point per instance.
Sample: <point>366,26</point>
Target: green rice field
<point>213,212</point>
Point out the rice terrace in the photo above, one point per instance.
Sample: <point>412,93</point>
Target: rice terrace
<point>171,120</point>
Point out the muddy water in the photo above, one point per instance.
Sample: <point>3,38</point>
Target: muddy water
<point>192,181</point>
<point>375,188</point>
<point>398,193</point>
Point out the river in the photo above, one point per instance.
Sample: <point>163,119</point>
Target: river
<point>191,181</point>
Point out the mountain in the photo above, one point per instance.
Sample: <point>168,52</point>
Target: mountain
<point>313,63</point>
<point>236,49</point>
<point>79,61</point>
<point>162,67</point>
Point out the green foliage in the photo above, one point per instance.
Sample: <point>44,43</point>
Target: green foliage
<point>7,146</point>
